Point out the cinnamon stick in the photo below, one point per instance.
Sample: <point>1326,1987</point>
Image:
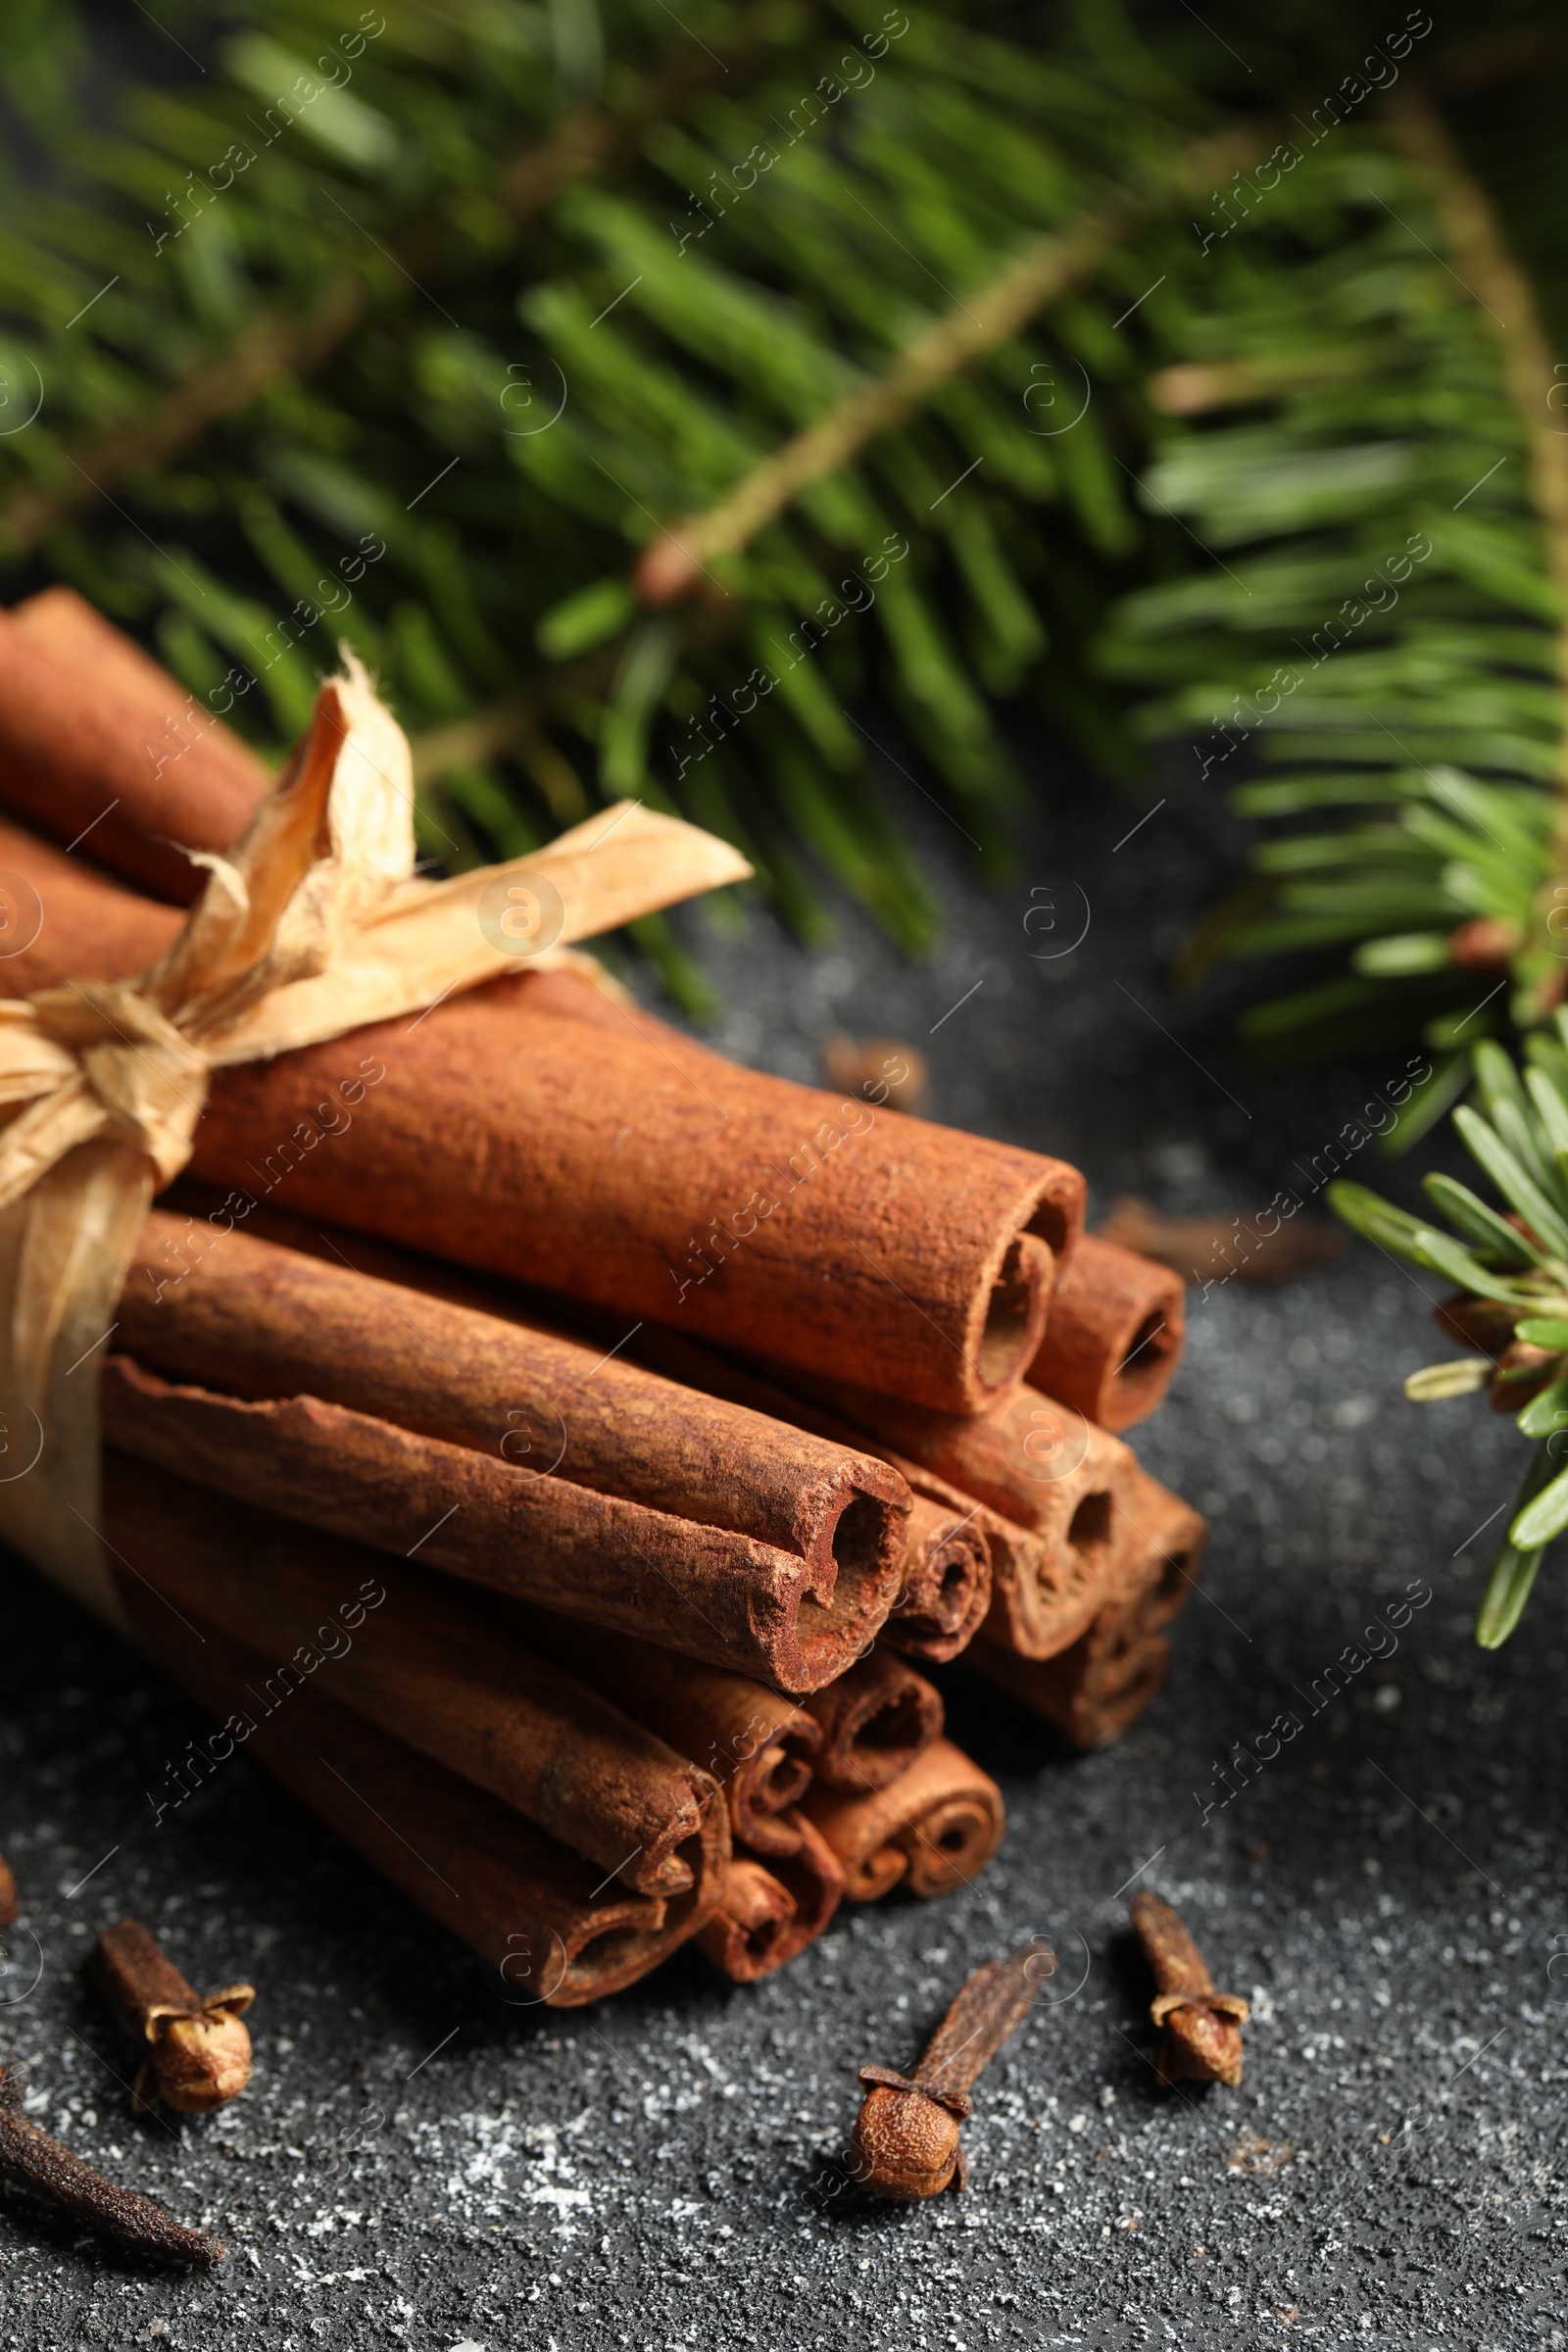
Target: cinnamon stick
<point>625,1164</point>
<point>96,740</point>
<point>948,1565</point>
<point>1159,1547</point>
<point>1094,1689</point>
<point>8,1893</point>
<point>260,1321</point>
<point>723,1597</point>
<point>740,1209</point>
<point>933,1829</point>
<point>1039,1467</point>
<point>548,1921</point>
<point>874,1720</point>
<point>1118,1325</point>
<point>423,1667</point>
<point>405,1420</point>
<point>947,1585</point>
<point>747,1935</point>
<point>770,1912</point>
<point>758,1746</point>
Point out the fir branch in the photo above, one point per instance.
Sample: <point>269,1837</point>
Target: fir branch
<point>1503,292</point>
<point>281,345</point>
<point>269,348</point>
<point>1045,270</point>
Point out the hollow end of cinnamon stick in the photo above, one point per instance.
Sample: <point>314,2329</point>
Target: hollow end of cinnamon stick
<point>762,1793</point>
<point>1117,1330</point>
<point>934,1828</point>
<point>773,1908</point>
<point>947,1582</point>
<point>1012,1320</point>
<point>746,1936</point>
<point>875,1720</point>
<point>755,1744</point>
<point>1099,1684</point>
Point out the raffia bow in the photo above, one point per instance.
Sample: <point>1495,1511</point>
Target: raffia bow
<point>314,926</point>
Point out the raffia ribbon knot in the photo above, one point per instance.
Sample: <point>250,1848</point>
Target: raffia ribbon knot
<point>316,925</point>
<point>136,1076</point>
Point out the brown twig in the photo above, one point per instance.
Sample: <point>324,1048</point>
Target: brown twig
<point>1203,2037</point>
<point>201,2051</point>
<point>906,2139</point>
<point>1197,1247</point>
<point>1051,266</point>
<point>30,2158</point>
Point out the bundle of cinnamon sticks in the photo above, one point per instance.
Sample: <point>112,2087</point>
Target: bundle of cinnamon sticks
<point>554,1450</point>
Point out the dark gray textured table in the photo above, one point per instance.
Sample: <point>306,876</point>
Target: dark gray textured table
<point>418,2164</point>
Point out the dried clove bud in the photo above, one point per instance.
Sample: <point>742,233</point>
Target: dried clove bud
<point>906,2139</point>
<point>201,2052</point>
<point>1202,2040</point>
<point>8,1893</point>
<point>34,2160</point>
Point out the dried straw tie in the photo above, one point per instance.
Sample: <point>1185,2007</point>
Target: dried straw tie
<point>314,926</point>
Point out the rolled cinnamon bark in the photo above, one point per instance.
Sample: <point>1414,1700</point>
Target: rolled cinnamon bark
<point>632,1167</point>
<point>948,1566</point>
<point>66,920</point>
<point>770,1912</point>
<point>1117,1328</point>
<point>534,1910</point>
<point>97,741</point>
<point>931,1830</point>
<point>1093,1690</point>
<point>1042,1467</point>
<point>1159,1546</point>
<point>528,1174</point>
<point>874,1721</point>
<point>945,1591</point>
<point>262,1321</point>
<point>720,1595</point>
<point>1101,1683</point>
<point>758,1746</point>
<point>426,1668</point>
<point>746,1935</point>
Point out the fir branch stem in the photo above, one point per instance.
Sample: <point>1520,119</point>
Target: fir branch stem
<point>1499,285</point>
<point>1045,270</point>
